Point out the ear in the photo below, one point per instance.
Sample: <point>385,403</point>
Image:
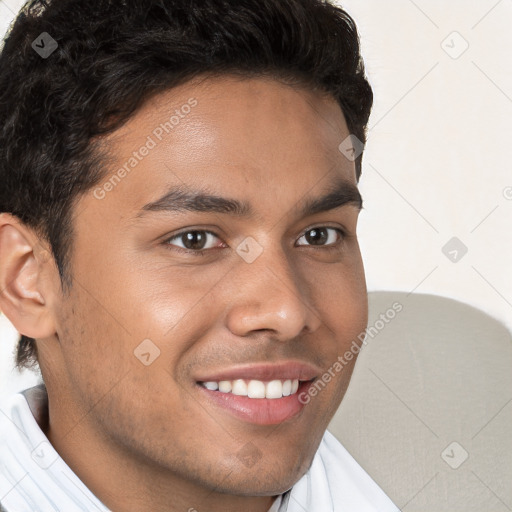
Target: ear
<point>24,284</point>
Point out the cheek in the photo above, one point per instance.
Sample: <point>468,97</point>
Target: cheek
<point>159,297</point>
<point>131,303</point>
<point>341,300</point>
<point>95,344</point>
<point>104,324</point>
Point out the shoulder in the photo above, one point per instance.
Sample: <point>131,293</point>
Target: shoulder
<point>33,477</point>
<point>20,434</point>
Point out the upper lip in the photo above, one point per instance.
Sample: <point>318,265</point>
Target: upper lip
<point>264,371</point>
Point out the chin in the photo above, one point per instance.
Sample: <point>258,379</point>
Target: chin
<point>264,479</point>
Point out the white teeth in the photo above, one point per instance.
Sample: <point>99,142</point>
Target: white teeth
<point>255,388</point>
<point>287,387</point>
<point>274,389</point>
<point>239,388</point>
<point>225,386</point>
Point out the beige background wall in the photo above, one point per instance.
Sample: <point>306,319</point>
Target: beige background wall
<point>439,158</point>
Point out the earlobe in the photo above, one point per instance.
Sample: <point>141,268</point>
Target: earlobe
<point>21,298</point>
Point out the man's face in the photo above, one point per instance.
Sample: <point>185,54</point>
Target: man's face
<point>276,295</point>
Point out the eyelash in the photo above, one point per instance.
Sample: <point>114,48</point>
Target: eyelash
<point>202,252</point>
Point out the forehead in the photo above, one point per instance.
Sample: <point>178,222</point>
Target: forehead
<point>249,136</point>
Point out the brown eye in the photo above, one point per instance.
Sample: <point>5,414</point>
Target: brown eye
<point>194,240</point>
<point>322,236</point>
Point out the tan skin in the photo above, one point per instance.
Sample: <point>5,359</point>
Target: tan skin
<point>142,437</point>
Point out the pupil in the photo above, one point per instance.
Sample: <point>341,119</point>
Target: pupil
<point>316,236</point>
<point>194,240</point>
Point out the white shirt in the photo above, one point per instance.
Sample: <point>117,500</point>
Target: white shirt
<point>34,478</point>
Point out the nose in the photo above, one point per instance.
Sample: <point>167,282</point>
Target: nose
<point>272,295</point>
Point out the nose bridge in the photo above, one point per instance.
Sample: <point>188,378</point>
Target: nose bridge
<point>272,295</point>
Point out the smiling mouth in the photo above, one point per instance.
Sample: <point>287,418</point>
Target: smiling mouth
<point>259,393</point>
<point>257,389</point>
<point>256,401</point>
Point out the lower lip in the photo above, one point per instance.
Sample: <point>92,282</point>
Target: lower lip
<point>260,411</point>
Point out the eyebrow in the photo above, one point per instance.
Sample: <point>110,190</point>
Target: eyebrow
<point>183,198</point>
